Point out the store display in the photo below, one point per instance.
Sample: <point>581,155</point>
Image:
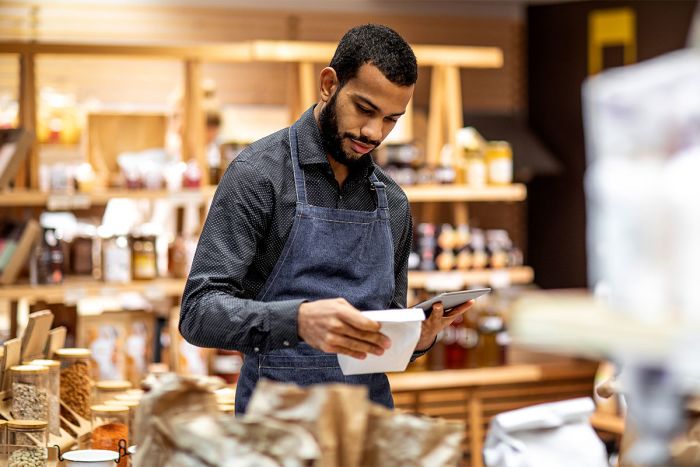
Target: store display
<point>76,383</point>
<point>26,443</point>
<point>110,425</point>
<point>30,392</point>
<point>16,241</point>
<point>54,387</point>
<point>177,250</point>
<point>462,248</point>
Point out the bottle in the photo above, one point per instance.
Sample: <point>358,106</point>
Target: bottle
<point>480,258</point>
<point>143,258</point>
<point>192,178</point>
<point>177,250</point>
<point>455,344</point>
<point>445,259</point>
<point>51,260</point>
<point>426,246</point>
<point>497,247</point>
<point>54,386</point>
<point>491,328</point>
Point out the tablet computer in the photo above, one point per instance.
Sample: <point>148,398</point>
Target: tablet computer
<point>451,299</point>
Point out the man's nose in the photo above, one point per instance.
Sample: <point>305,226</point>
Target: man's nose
<point>373,129</point>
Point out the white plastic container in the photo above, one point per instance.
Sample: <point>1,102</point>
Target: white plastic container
<point>90,458</point>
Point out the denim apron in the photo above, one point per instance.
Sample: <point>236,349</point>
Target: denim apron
<point>329,253</point>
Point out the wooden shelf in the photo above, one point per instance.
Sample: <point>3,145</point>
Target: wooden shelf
<point>451,193</point>
<point>257,51</point>
<point>62,201</point>
<point>416,194</point>
<point>455,280</point>
<point>75,288</point>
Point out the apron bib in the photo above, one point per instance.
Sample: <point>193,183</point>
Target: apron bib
<point>329,253</point>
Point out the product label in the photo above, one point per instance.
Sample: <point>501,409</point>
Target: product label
<point>501,171</point>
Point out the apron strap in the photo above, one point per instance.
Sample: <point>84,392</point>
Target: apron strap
<point>299,180</point>
<point>380,187</point>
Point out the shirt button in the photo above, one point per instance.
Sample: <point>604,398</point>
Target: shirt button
<point>286,343</point>
<point>257,349</point>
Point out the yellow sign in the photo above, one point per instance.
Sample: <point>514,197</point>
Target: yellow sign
<point>611,27</point>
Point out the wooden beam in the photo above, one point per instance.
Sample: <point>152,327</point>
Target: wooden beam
<point>28,174</point>
<point>435,138</point>
<point>194,139</point>
<point>454,118</point>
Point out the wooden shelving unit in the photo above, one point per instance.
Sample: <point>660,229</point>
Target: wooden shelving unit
<point>475,396</point>
<point>438,280</point>
<point>416,194</point>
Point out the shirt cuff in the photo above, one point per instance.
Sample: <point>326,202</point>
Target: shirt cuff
<point>281,320</point>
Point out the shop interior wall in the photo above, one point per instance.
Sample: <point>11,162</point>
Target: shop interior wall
<point>557,66</point>
<point>153,84</point>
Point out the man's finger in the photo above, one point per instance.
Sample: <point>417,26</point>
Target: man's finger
<point>355,345</point>
<point>375,338</point>
<point>458,310</point>
<point>437,312</point>
<point>350,352</point>
<point>355,319</point>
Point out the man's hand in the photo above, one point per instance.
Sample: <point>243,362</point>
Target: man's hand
<point>335,326</point>
<point>437,321</point>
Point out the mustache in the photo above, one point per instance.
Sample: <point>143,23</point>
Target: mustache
<point>362,139</point>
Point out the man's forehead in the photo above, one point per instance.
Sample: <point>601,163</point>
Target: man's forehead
<point>370,84</point>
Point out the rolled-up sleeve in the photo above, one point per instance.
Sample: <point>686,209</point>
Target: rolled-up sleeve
<point>215,312</point>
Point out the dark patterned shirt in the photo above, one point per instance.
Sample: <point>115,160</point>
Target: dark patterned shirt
<point>248,223</point>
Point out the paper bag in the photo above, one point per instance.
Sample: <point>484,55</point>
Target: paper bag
<point>396,439</point>
<point>546,435</point>
<point>335,414</point>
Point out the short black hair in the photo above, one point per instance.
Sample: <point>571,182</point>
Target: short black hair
<point>380,46</point>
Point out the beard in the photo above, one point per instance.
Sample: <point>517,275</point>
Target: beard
<point>333,140</point>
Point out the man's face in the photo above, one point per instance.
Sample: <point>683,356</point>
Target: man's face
<point>358,116</point>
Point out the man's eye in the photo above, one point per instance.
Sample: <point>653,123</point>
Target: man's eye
<point>365,110</point>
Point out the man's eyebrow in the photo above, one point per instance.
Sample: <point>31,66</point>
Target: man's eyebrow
<point>374,106</point>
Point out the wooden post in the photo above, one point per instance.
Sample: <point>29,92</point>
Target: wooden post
<point>194,140</point>
<point>293,96</point>
<point>308,85</point>
<point>476,429</point>
<point>454,117</point>
<point>28,174</point>
<point>435,139</point>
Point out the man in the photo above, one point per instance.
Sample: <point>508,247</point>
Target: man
<point>304,230</point>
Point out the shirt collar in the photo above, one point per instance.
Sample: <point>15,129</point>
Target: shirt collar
<point>310,144</point>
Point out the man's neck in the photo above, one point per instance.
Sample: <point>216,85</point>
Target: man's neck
<point>340,171</point>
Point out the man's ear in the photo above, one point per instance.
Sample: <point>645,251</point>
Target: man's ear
<point>329,83</point>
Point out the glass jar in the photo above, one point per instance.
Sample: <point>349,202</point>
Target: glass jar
<point>30,392</point>
<point>3,442</point>
<point>143,258</point>
<point>26,443</point>
<point>75,379</point>
<point>132,405</point>
<point>54,367</point>
<point>107,390</point>
<point>499,159</point>
<point>110,424</point>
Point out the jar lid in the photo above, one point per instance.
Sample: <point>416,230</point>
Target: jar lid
<point>27,424</point>
<point>29,369</point>
<point>42,362</point>
<point>125,403</point>
<point>128,397</point>
<point>113,385</point>
<point>73,353</point>
<point>110,408</point>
